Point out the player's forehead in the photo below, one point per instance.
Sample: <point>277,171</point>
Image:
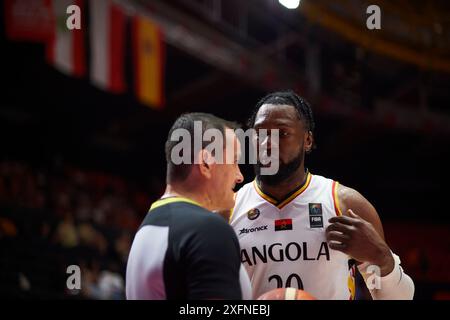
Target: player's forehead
<point>276,116</point>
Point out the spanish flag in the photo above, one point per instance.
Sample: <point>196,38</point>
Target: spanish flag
<point>148,51</point>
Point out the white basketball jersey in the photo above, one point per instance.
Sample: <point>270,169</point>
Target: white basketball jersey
<point>283,243</point>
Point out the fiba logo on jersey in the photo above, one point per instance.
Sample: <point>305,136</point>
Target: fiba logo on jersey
<point>252,214</point>
<point>315,215</point>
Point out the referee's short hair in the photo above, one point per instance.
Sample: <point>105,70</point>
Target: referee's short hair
<point>179,172</point>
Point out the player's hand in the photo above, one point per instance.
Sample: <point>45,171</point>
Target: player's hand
<point>356,237</point>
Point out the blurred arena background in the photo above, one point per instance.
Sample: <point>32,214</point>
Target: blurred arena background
<point>84,115</point>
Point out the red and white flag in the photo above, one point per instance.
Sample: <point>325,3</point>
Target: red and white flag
<point>107,45</point>
<point>65,48</point>
<point>28,20</point>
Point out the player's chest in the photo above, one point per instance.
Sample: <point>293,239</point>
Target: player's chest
<point>303,222</point>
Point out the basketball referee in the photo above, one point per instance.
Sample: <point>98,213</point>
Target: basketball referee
<point>182,250</point>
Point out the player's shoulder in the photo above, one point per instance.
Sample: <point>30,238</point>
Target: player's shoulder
<point>350,196</point>
<point>245,190</point>
<point>245,195</point>
<point>345,192</point>
<point>319,179</point>
<point>246,187</point>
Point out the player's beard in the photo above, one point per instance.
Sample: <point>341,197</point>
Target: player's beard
<point>285,170</point>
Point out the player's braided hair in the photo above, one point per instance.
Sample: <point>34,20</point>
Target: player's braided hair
<point>289,98</point>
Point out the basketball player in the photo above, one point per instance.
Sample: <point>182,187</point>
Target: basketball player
<point>298,229</point>
<point>182,250</point>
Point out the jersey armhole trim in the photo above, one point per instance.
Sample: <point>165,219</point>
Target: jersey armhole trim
<point>337,208</point>
<point>231,216</point>
<point>232,209</point>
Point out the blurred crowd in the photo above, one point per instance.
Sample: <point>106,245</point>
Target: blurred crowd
<point>51,218</point>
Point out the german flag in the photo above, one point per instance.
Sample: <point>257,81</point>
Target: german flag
<point>148,56</point>
<point>283,224</point>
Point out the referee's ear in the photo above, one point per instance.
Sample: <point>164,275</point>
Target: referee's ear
<point>206,160</point>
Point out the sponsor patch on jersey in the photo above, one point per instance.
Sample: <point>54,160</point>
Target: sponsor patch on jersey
<point>254,229</point>
<point>283,224</point>
<point>315,215</point>
<point>252,214</point>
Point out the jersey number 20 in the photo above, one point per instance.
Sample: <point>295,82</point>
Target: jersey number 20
<point>289,279</point>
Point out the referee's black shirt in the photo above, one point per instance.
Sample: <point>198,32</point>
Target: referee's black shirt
<point>183,251</point>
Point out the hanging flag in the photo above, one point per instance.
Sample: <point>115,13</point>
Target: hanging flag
<point>107,45</point>
<point>28,20</point>
<point>65,48</point>
<point>148,51</point>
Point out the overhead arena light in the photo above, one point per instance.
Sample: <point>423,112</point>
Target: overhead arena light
<point>290,4</point>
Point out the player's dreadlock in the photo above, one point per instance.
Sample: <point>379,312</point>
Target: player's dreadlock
<point>287,98</point>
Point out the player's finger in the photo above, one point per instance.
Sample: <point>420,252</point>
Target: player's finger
<point>337,226</point>
<point>343,219</point>
<point>352,214</point>
<point>338,246</point>
<point>337,236</point>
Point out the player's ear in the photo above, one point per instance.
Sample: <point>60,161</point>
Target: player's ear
<point>308,142</point>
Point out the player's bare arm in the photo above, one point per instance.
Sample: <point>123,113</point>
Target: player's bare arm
<point>358,232</point>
